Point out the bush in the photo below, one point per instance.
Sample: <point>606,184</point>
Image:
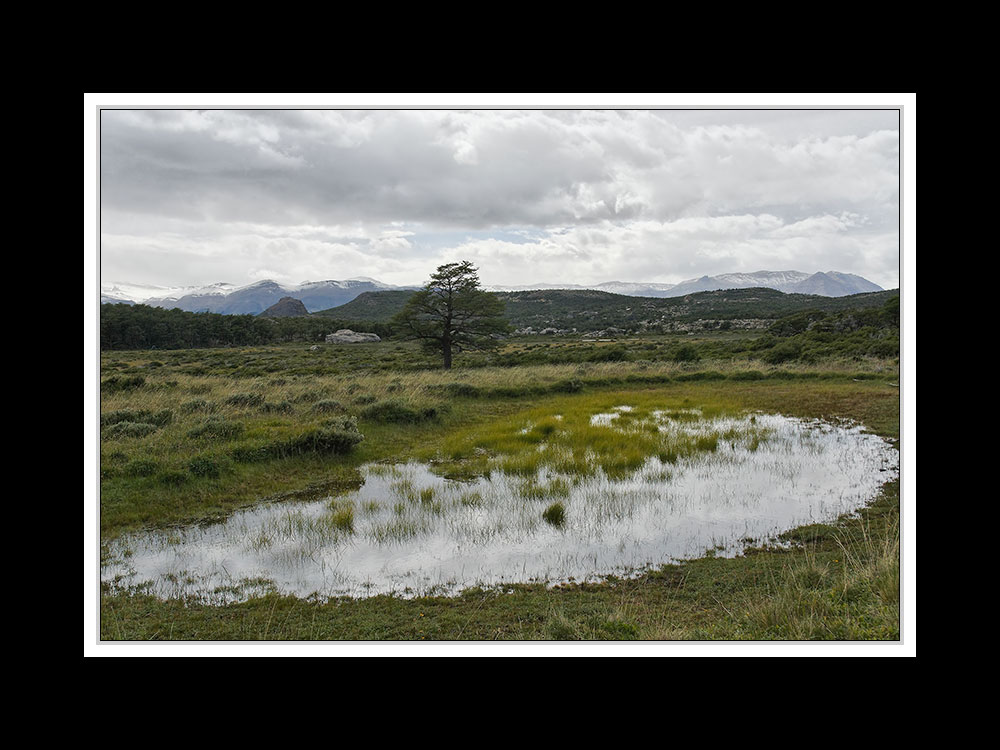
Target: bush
<point>173,478</point>
<point>140,468</point>
<point>615,353</point>
<point>196,405</point>
<point>462,390</point>
<point>202,466</point>
<point>399,413</point>
<point>282,407</point>
<point>117,383</point>
<point>128,430</point>
<point>567,386</point>
<point>323,440</point>
<point>327,406</point>
<point>786,351</point>
<point>705,375</point>
<point>159,418</point>
<point>248,455</point>
<point>217,428</point>
<point>245,399</point>
<point>334,437</point>
<point>686,353</point>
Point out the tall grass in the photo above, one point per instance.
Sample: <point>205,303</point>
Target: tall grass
<point>576,435</point>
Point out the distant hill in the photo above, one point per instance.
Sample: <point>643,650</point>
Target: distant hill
<point>828,284</point>
<point>589,310</point>
<point>259,296</point>
<point>322,295</point>
<point>108,300</point>
<point>374,306</point>
<point>286,307</point>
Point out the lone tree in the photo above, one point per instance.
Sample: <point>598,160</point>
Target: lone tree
<point>452,314</point>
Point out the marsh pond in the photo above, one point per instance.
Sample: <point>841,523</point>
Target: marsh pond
<point>715,486</point>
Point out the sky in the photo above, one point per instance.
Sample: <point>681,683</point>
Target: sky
<point>574,195</point>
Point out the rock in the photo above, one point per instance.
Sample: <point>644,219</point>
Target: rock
<point>347,336</point>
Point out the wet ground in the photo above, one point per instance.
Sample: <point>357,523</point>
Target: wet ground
<point>411,532</point>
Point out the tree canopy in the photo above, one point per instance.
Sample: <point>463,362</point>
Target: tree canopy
<point>145,327</point>
<point>452,313</point>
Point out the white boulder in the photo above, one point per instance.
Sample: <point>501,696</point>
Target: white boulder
<point>347,336</point>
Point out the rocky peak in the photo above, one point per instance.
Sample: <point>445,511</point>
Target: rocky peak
<point>286,307</point>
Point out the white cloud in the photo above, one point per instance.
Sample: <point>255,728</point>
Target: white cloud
<point>631,194</point>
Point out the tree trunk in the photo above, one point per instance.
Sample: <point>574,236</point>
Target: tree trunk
<point>446,350</point>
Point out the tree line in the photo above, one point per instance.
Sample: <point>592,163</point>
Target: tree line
<point>144,327</point>
<point>450,314</point>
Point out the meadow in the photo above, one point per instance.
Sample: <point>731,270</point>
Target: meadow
<point>193,436</point>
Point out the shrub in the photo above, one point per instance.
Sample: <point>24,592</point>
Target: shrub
<point>783,352</point>
<point>117,383</point>
<point>247,455</point>
<point>128,430</point>
<point>217,428</point>
<point>334,437</point>
<point>245,399</point>
<point>327,406</point>
<point>686,353</point>
<point>202,466</point>
<point>140,468</point>
<point>567,386</point>
<point>615,353</point>
<point>396,412</point>
<point>173,478</point>
<point>282,407</point>
<point>325,440</point>
<point>159,418</point>
<point>767,341</point>
<point>462,390</point>
<point>705,375</point>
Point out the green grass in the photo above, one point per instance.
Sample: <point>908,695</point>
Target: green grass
<point>555,514</point>
<point>844,588</point>
<point>835,581</point>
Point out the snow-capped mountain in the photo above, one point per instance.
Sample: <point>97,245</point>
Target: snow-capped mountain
<point>636,289</point>
<point>257,297</point>
<point>828,284</point>
<point>117,291</point>
<point>630,288</point>
<point>835,284</point>
<point>321,295</point>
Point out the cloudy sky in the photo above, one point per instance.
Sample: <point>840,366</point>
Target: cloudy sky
<point>197,196</point>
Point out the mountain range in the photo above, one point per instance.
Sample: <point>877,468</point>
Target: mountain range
<point>321,295</point>
<point>826,284</point>
<point>251,299</point>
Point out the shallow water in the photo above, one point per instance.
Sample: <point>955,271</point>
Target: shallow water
<point>409,532</point>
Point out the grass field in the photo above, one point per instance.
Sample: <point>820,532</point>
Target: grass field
<point>189,436</point>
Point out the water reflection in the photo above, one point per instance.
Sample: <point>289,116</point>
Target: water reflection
<point>409,531</point>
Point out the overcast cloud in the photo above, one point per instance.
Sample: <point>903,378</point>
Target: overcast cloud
<point>566,196</point>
